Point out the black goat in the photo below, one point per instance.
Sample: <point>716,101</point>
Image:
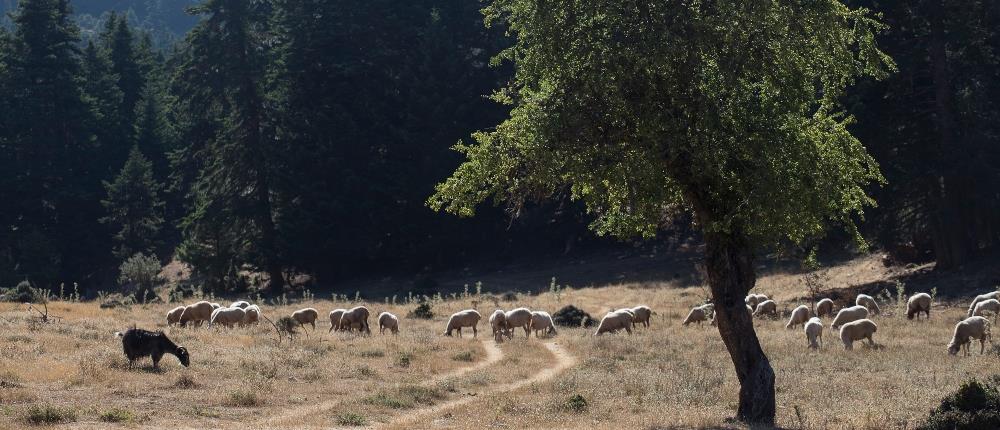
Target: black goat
<point>139,343</point>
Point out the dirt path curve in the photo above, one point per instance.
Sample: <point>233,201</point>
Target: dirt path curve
<point>564,360</point>
<point>493,355</point>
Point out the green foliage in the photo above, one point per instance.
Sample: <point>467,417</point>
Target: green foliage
<point>141,270</point>
<point>351,419</point>
<point>47,415</point>
<point>748,134</point>
<point>422,311</point>
<point>576,403</point>
<point>134,208</point>
<point>467,356</point>
<point>975,405</point>
<point>116,416</point>
<point>24,292</point>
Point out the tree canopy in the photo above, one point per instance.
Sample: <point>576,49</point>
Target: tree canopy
<point>730,110</point>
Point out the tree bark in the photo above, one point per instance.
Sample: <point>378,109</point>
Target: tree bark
<point>729,263</point>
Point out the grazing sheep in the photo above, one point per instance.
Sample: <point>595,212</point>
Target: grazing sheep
<point>240,304</point>
<point>227,317</point>
<point>968,329</point>
<point>767,307</point>
<point>138,343</point>
<point>614,321</point>
<point>335,318</point>
<point>642,314</point>
<point>753,300</point>
<point>498,321</point>
<point>174,315</point>
<point>799,316</point>
<point>981,297</point>
<point>466,318</point>
<point>814,332</point>
<point>542,321</point>
<point>697,315</point>
<point>520,317</point>
<point>252,315</point>
<point>355,318</point>
<point>868,302</point>
<point>824,308</point>
<point>388,321</point>
<point>991,305</point>
<point>857,330</point>
<point>197,313</point>
<point>920,302</point>
<point>306,316</point>
<point>847,315</point>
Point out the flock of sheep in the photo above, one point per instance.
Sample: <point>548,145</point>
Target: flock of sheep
<point>854,322</point>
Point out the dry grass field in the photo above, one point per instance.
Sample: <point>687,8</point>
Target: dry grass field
<point>71,373</point>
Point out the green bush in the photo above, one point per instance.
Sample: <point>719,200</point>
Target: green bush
<point>467,356</point>
<point>116,416</point>
<point>576,403</point>
<point>350,419</point>
<point>422,311</point>
<point>140,273</point>
<point>48,414</point>
<point>975,406</point>
<point>22,293</point>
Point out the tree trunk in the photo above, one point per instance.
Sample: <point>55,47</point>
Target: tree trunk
<point>729,263</point>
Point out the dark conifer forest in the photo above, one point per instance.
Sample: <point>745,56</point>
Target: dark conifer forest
<point>282,137</point>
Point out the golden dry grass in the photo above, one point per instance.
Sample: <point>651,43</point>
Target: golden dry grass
<point>668,376</point>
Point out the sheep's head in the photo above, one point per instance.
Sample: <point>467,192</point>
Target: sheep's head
<point>183,356</point>
<point>953,349</point>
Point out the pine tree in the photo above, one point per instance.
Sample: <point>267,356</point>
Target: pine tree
<point>222,73</point>
<point>133,207</point>
<point>125,64</point>
<point>52,194</point>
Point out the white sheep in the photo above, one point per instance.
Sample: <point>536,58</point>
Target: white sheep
<point>857,330</point>
<point>335,318</point>
<point>252,315</point>
<point>520,317</point>
<point>847,315</point>
<point>355,318</point>
<point>174,315</point>
<point>824,307</point>
<point>498,321</point>
<point>542,321</point>
<point>920,302</point>
<point>642,314</point>
<point>242,304</point>
<point>466,318</point>
<point>197,313</point>
<point>306,316</point>
<point>799,316</point>
<point>968,329</point>
<point>766,307</point>
<point>388,321</point>
<point>614,321</point>
<point>981,297</point>
<point>754,299</point>
<point>227,317</point>
<point>697,315</point>
<point>991,305</point>
<point>814,332</point>
<point>868,302</point>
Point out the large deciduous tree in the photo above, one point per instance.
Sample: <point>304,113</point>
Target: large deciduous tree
<point>726,109</point>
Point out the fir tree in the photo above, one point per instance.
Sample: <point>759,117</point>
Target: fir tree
<point>133,207</point>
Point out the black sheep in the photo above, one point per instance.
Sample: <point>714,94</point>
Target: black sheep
<point>139,343</point>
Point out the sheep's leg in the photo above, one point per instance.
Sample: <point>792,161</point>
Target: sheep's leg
<point>627,329</point>
<point>982,345</point>
<point>460,332</point>
<point>527,332</point>
<point>475,332</point>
